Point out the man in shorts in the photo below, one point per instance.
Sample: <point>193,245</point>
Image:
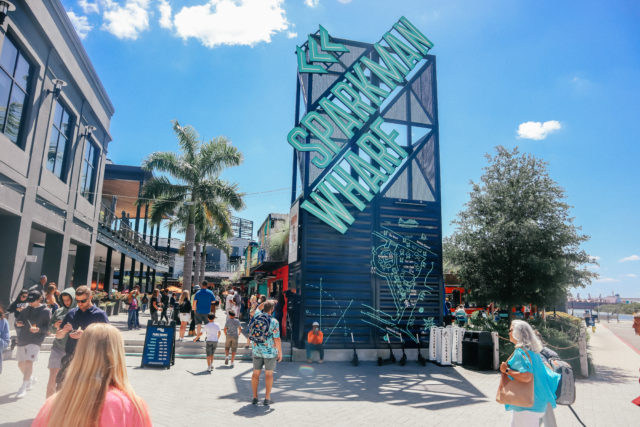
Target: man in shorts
<point>232,331</point>
<point>67,300</point>
<point>202,302</point>
<point>212,329</point>
<point>32,325</point>
<point>266,354</point>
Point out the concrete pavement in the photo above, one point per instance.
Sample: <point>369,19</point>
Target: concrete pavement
<point>336,394</point>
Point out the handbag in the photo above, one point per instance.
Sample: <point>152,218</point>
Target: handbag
<point>516,393</point>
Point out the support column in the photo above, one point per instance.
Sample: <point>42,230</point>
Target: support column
<point>121,280</point>
<point>9,232</point>
<point>108,271</point>
<point>81,266</point>
<point>153,279</point>
<point>140,275</point>
<point>144,223</point>
<point>51,258</point>
<point>132,273</point>
<point>157,235</point>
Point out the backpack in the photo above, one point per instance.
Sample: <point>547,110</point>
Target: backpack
<point>566,392</point>
<point>259,328</point>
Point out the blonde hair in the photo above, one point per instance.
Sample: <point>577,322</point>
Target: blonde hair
<point>526,336</point>
<point>98,364</point>
<point>183,296</point>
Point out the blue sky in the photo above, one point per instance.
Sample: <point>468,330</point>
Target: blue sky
<point>228,68</point>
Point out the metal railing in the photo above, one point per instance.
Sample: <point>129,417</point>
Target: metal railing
<point>120,230</point>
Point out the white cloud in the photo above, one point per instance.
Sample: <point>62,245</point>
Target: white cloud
<point>88,7</point>
<point>312,3</point>
<point>126,21</point>
<point>231,22</point>
<point>292,34</point>
<point>80,23</point>
<point>165,14</point>
<point>344,1</point>
<point>633,257</point>
<point>633,276</point>
<point>607,280</point>
<point>537,130</point>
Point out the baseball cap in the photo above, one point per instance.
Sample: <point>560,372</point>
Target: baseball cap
<point>315,324</point>
<point>34,296</point>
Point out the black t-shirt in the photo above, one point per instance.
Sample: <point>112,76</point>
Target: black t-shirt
<point>165,302</point>
<point>81,319</point>
<point>185,307</point>
<point>31,316</point>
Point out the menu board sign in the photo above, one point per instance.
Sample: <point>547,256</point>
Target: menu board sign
<point>159,345</point>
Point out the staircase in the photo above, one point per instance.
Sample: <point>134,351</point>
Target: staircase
<point>185,349</point>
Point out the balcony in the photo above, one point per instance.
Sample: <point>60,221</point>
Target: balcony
<point>117,233</point>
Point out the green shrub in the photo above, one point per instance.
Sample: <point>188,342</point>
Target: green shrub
<point>559,333</point>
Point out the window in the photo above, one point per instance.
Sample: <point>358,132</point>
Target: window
<point>14,89</point>
<point>87,178</point>
<point>58,140</point>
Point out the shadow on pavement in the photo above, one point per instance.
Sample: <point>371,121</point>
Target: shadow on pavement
<point>609,375</point>
<point>430,387</point>
<point>8,398</point>
<point>18,423</point>
<point>253,411</point>
<point>205,372</point>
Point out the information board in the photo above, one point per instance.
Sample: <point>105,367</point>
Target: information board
<point>159,345</point>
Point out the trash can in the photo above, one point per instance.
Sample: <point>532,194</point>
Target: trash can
<point>470,349</point>
<point>485,351</point>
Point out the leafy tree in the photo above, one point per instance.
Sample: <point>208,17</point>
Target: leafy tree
<point>515,242</point>
<point>191,186</point>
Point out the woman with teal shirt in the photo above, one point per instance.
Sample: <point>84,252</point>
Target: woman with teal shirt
<point>526,365</point>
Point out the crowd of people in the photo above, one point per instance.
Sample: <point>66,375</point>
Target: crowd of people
<point>87,371</point>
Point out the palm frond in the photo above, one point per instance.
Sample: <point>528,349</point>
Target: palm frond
<point>223,192</point>
<point>167,162</point>
<point>188,140</point>
<point>161,187</point>
<point>216,155</point>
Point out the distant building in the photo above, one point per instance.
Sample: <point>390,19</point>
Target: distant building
<point>54,133</point>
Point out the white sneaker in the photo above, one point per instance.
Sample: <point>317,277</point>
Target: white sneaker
<point>31,383</point>
<point>22,391</point>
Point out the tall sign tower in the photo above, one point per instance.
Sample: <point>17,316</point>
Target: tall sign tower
<point>366,232</point>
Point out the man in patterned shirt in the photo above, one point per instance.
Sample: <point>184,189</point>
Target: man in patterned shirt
<point>266,354</point>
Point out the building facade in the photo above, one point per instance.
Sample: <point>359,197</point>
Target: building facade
<point>54,133</point>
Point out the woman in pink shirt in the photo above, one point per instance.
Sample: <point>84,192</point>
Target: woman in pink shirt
<point>96,389</point>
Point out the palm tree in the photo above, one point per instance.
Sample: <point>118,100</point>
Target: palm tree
<point>192,187</point>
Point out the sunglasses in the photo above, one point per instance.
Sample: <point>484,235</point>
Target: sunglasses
<point>81,301</point>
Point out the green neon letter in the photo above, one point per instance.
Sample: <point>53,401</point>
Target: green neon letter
<point>323,132</point>
<point>394,72</point>
<point>372,176</point>
<point>413,35</point>
<point>376,94</point>
<point>298,133</point>
<point>390,138</point>
<point>347,189</point>
<point>331,211</point>
<point>377,151</point>
<point>409,56</point>
<point>345,121</point>
<point>350,97</point>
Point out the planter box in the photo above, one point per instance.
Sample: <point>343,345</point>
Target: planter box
<point>116,308</point>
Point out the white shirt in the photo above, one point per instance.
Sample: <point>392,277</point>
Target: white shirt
<point>230,304</point>
<point>212,329</point>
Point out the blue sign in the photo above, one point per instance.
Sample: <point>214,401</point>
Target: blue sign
<point>159,345</point>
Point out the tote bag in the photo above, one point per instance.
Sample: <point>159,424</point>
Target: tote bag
<point>516,393</point>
